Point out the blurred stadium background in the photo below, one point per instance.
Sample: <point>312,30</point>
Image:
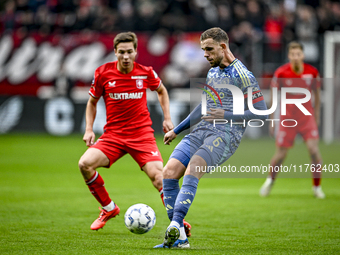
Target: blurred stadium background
<point>49,50</point>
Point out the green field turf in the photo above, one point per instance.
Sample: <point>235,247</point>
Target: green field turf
<point>45,207</point>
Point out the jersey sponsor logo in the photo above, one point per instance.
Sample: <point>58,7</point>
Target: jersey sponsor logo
<point>288,82</point>
<point>154,153</point>
<point>124,96</point>
<point>139,77</point>
<point>112,84</point>
<point>139,84</point>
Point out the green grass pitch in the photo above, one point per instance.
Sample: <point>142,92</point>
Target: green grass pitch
<point>45,207</point>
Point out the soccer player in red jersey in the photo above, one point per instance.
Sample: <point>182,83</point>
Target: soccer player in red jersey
<point>123,85</point>
<point>296,73</point>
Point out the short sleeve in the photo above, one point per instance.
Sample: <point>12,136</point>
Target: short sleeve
<point>96,89</point>
<point>153,80</point>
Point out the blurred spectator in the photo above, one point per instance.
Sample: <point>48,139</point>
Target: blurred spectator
<point>225,20</point>
<point>307,31</point>
<point>255,14</point>
<point>8,16</point>
<point>44,18</point>
<point>175,16</point>
<point>240,12</point>
<point>270,24</point>
<point>324,16</point>
<point>336,15</point>
<point>106,20</point>
<point>273,31</point>
<point>84,18</point>
<point>127,19</point>
<point>289,27</point>
<point>147,16</point>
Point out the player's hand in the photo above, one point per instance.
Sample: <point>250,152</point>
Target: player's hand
<point>89,138</point>
<point>214,114</point>
<point>169,136</point>
<point>167,126</point>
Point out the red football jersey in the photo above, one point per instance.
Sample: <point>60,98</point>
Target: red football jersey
<point>309,79</point>
<point>125,96</point>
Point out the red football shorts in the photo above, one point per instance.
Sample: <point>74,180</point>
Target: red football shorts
<point>306,127</point>
<point>141,146</point>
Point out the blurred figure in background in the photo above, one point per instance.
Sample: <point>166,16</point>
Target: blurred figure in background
<point>296,73</point>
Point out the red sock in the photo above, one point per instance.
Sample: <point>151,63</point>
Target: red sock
<point>96,186</point>
<point>317,175</point>
<point>161,194</point>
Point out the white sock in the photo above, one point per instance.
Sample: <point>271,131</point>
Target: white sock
<point>270,180</point>
<point>174,223</point>
<point>182,236</point>
<point>109,207</point>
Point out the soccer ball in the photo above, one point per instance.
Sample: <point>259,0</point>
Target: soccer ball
<point>139,218</point>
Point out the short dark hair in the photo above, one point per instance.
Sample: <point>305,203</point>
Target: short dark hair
<point>125,37</point>
<point>216,33</point>
<point>295,45</point>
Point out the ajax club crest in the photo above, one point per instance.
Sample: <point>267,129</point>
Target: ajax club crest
<point>139,84</point>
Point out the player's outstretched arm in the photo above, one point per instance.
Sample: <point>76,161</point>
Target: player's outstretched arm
<point>90,115</point>
<point>193,118</point>
<point>163,99</point>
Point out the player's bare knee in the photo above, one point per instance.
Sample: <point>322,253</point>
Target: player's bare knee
<point>84,167</point>
<point>167,172</point>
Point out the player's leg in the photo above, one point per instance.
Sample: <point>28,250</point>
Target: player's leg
<point>143,149</point>
<point>153,170</point>
<point>277,160</point>
<point>88,163</point>
<point>310,134</point>
<point>275,163</point>
<point>315,155</point>
<point>210,153</point>
<point>147,155</point>
<point>284,140</point>
<point>183,201</point>
<point>102,154</point>
<point>172,172</point>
